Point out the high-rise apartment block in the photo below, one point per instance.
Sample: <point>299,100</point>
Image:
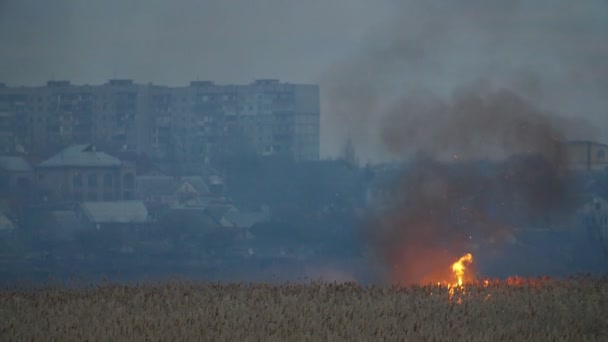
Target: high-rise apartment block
<point>194,122</point>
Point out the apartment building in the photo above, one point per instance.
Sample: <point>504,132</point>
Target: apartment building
<point>193,122</point>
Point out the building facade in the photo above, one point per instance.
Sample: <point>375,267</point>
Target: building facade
<point>80,173</point>
<point>587,156</point>
<point>194,122</point>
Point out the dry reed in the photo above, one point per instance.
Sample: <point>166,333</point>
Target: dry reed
<point>521,310</point>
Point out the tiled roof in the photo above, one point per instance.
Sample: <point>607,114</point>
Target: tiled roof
<point>14,164</point>
<point>115,212</point>
<point>80,156</point>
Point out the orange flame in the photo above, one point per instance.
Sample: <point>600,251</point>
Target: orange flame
<point>459,267</point>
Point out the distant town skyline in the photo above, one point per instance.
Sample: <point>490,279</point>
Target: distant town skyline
<point>202,121</point>
<point>553,51</point>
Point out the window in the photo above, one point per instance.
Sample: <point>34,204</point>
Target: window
<point>108,196</point>
<point>601,155</point>
<point>77,180</point>
<point>92,181</point>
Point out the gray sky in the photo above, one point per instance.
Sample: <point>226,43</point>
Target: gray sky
<point>552,52</point>
<point>173,42</point>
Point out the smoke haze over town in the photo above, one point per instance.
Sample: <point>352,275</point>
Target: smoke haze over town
<point>366,56</point>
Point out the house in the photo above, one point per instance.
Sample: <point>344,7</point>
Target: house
<point>122,214</point>
<point>216,186</point>
<point>161,192</point>
<point>118,224</point>
<point>244,219</point>
<point>16,175</point>
<point>193,217</point>
<point>587,156</point>
<point>80,173</point>
<point>219,212</point>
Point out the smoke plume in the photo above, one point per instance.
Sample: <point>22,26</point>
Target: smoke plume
<point>550,54</point>
<point>485,155</point>
<point>486,162</point>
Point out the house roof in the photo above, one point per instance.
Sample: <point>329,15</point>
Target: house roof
<point>197,182</point>
<point>14,164</point>
<point>245,219</point>
<point>115,212</point>
<point>80,155</point>
<point>167,185</point>
<point>218,211</point>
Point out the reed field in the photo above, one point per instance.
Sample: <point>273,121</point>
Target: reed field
<point>575,309</point>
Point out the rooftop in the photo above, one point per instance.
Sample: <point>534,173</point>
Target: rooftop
<point>14,164</point>
<point>168,185</point>
<point>245,219</point>
<point>80,155</point>
<point>115,212</point>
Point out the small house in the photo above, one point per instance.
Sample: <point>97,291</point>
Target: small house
<point>163,192</point>
<point>16,175</point>
<point>116,214</point>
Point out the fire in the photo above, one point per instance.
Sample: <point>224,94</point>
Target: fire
<point>459,267</point>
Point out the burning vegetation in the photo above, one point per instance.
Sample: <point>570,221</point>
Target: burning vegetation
<point>509,170</point>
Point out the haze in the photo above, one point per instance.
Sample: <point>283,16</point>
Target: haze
<point>384,47</point>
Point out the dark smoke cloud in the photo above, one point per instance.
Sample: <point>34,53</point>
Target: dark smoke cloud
<point>550,53</point>
<point>478,123</point>
<point>487,162</point>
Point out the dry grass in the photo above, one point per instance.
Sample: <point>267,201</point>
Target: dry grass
<point>572,310</point>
